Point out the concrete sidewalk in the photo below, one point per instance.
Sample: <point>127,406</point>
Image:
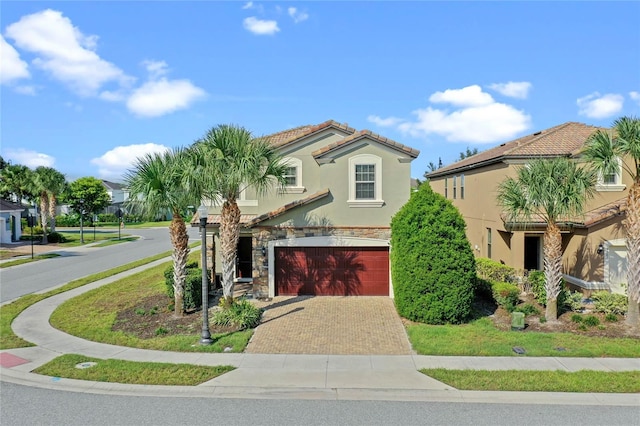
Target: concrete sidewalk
<point>372,377</point>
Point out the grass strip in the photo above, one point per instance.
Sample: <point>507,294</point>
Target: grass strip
<point>130,372</point>
<point>539,381</point>
<point>482,338</point>
<point>115,241</point>
<point>9,312</point>
<point>92,315</point>
<point>28,260</point>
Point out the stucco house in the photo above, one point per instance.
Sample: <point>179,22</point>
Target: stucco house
<point>594,243</point>
<point>328,231</point>
<point>10,227</point>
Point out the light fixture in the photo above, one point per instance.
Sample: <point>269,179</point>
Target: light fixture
<point>264,251</point>
<point>203,212</point>
<point>600,249</point>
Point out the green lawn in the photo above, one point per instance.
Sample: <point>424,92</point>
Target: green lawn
<point>539,381</point>
<point>140,373</point>
<point>482,338</point>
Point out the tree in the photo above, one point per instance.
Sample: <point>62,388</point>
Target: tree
<point>233,160</point>
<point>88,195</point>
<point>467,153</point>
<point>605,150</point>
<point>49,183</point>
<point>432,264</point>
<point>551,190</point>
<point>18,181</point>
<point>166,181</point>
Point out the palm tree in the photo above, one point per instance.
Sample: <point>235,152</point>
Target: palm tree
<point>605,149</point>
<point>233,160</point>
<point>160,182</point>
<point>18,180</point>
<point>551,190</point>
<point>49,183</point>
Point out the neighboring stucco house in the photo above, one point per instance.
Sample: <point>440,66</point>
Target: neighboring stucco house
<point>10,227</point>
<point>118,194</point>
<point>328,231</point>
<point>594,244</point>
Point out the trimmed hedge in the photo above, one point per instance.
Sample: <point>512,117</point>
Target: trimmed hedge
<point>192,286</point>
<point>432,264</point>
<point>494,271</point>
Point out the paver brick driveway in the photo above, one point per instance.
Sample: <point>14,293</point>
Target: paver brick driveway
<point>330,325</point>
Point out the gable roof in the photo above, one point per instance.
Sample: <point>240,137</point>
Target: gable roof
<point>289,206</point>
<point>112,185</point>
<point>8,206</point>
<point>563,140</point>
<point>362,134</point>
<point>286,137</point>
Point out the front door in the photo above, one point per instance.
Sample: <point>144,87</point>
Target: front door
<point>243,258</point>
<point>532,253</point>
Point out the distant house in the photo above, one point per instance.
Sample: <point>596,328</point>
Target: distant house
<point>10,227</point>
<point>594,243</point>
<point>328,231</point>
<point>118,193</point>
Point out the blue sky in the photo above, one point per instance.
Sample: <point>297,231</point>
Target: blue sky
<point>88,86</point>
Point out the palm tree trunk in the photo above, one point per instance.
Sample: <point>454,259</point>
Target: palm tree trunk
<point>180,242</point>
<point>52,212</point>
<point>229,235</point>
<point>44,215</point>
<point>552,268</point>
<point>632,224</point>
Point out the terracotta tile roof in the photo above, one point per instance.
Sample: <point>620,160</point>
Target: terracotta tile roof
<point>563,140</point>
<point>214,219</point>
<point>366,134</point>
<point>289,206</point>
<point>286,137</point>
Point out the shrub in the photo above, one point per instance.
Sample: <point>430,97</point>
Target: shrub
<point>609,303</point>
<point>506,295</point>
<point>68,220</point>
<point>432,264</point>
<point>494,271</point>
<point>527,309</point>
<point>192,286</point>
<point>537,281</point>
<point>240,313</point>
<point>611,318</point>
<point>55,237</point>
<point>590,321</point>
<point>576,318</point>
<point>482,288</point>
<point>573,301</point>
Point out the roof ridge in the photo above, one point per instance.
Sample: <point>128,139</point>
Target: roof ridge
<point>538,135</point>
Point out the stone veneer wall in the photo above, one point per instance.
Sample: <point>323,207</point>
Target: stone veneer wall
<point>262,236</point>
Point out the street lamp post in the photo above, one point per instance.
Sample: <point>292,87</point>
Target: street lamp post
<point>81,215</point>
<point>206,335</point>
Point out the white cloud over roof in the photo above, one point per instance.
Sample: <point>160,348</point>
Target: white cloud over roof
<point>600,106</point>
<point>519,90</point>
<point>64,52</point>
<point>475,118</point>
<point>114,163</point>
<point>156,98</point>
<point>12,68</point>
<point>260,26</point>
<point>29,158</point>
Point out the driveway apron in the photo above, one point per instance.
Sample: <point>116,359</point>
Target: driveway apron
<point>330,325</point>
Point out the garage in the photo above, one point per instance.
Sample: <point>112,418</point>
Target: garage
<point>332,271</point>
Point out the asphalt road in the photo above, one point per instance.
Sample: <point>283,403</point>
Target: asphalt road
<point>78,262</point>
<point>34,406</point>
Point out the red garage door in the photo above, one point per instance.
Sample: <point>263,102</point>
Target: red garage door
<point>332,271</point>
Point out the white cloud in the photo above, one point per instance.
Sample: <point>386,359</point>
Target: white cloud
<point>156,69</point>
<point>65,52</point>
<point>26,90</point>
<point>512,89</point>
<point>597,106</point>
<point>114,163</point>
<point>297,16</point>
<point>11,66</point>
<point>476,118</point>
<point>248,5</point>
<point>159,97</point>
<point>29,158</point>
<point>384,122</point>
<point>467,96</point>
<point>259,26</point>
<point>635,96</point>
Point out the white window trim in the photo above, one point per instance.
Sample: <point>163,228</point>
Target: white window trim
<point>242,199</point>
<point>611,187</point>
<point>364,159</point>
<point>298,188</point>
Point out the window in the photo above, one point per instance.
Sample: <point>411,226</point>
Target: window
<point>454,187</point>
<point>489,243</point>
<point>611,181</point>
<point>462,187</point>
<point>365,181</point>
<point>446,187</point>
<point>293,176</point>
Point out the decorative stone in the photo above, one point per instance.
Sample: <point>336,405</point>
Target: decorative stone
<point>519,350</point>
